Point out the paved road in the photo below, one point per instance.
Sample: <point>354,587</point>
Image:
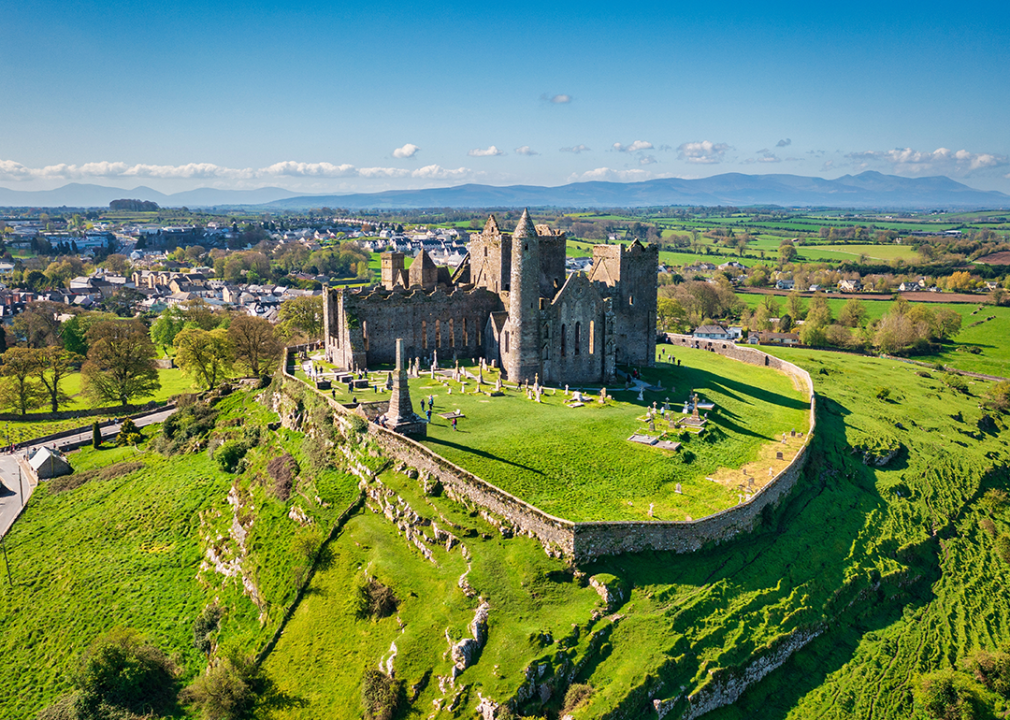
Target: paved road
<point>13,495</point>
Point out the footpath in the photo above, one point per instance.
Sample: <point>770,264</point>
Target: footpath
<point>16,486</point>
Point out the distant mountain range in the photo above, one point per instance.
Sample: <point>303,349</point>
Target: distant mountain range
<point>866,190</point>
<point>85,195</point>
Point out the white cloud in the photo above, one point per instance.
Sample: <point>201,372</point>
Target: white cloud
<point>633,147</point>
<point>300,169</point>
<point>407,151</point>
<point>784,143</point>
<point>11,170</point>
<point>526,150</point>
<point>437,172</point>
<point>491,151</point>
<point>381,172</point>
<point>647,160</point>
<point>942,160</point>
<point>577,149</point>
<point>766,157</point>
<point>609,174</point>
<point>703,152</point>
<point>561,99</point>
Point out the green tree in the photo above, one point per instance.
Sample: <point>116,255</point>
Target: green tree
<point>96,434</point>
<point>72,334</point>
<point>946,324</point>
<point>53,364</point>
<point>206,355</point>
<point>169,324</point>
<point>853,313</point>
<point>255,343</point>
<point>818,312</point>
<point>18,392</point>
<point>121,362</point>
<point>947,695</point>
<point>304,313</point>
<point>230,689</point>
<point>795,305</point>
<point>199,313</point>
<point>121,674</point>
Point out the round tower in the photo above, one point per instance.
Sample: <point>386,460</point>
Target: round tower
<point>523,358</point>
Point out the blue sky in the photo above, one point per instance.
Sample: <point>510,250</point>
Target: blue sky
<point>322,97</point>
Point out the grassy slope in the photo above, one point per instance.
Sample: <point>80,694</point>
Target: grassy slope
<point>847,550</point>
<point>577,463</point>
<point>127,552</point>
<point>840,532</point>
<point>528,593</point>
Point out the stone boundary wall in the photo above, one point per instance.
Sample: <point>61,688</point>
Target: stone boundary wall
<point>585,541</point>
<point>117,411</point>
<point>87,428</point>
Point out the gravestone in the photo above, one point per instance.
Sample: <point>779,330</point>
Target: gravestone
<point>779,456</point>
<point>678,490</point>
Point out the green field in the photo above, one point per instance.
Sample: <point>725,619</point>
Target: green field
<point>989,337</point>
<point>852,554</point>
<point>851,253</point>
<point>576,463</point>
<point>127,551</point>
<point>895,567</point>
<point>173,382</point>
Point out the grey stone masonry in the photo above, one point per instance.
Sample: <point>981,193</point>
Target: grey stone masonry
<point>509,302</point>
<point>400,417</point>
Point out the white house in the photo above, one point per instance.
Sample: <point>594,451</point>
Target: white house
<point>48,463</point>
<point>712,332</point>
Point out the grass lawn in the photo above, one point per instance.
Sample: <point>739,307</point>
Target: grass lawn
<point>577,463</point>
<point>131,551</point>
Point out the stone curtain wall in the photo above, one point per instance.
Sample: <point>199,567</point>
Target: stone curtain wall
<point>552,532</point>
<point>585,541</point>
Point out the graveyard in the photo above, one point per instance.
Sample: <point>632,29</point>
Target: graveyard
<point>635,456</point>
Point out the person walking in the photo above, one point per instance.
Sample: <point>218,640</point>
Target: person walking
<point>428,413</point>
<point>454,423</point>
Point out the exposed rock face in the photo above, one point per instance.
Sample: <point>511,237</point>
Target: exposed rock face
<point>880,460</point>
<point>463,653</point>
<point>726,686</point>
<point>608,589</point>
<point>478,628</point>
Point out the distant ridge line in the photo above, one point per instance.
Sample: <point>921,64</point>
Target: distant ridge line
<point>865,190</point>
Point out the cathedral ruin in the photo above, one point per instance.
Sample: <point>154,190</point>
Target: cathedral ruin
<point>508,302</point>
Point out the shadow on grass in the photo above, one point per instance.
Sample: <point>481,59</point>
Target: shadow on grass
<point>481,453</point>
<point>801,546</point>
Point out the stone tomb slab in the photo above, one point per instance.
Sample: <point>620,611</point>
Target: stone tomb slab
<point>644,439</point>
<point>451,415</point>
